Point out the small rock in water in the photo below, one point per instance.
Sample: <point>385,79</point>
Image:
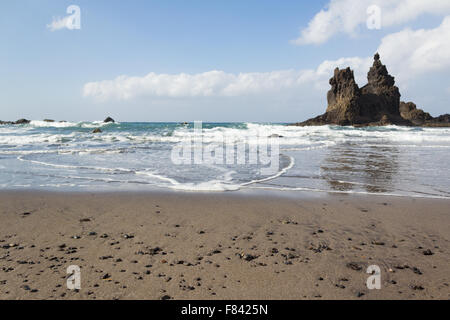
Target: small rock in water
<point>109,119</point>
<point>97,130</point>
<point>22,121</point>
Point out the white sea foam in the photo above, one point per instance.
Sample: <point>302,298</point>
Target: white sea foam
<point>66,124</point>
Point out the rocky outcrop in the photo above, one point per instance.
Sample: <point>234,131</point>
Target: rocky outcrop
<point>109,119</point>
<point>343,98</point>
<point>441,121</point>
<point>20,121</point>
<point>409,111</point>
<point>97,130</point>
<point>375,104</point>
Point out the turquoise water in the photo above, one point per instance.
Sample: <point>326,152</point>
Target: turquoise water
<point>139,156</point>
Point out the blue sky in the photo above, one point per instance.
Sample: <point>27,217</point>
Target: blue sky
<point>45,73</point>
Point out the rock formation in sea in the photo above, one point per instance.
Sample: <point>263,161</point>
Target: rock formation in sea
<point>375,104</point>
<point>109,119</point>
<point>22,121</point>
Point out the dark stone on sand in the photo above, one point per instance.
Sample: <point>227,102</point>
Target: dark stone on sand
<point>428,252</point>
<point>106,276</point>
<point>166,297</point>
<point>375,104</point>
<point>97,130</point>
<point>321,247</point>
<point>417,271</point>
<point>154,251</point>
<point>417,287</point>
<point>109,119</point>
<point>354,266</point>
<point>249,257</point>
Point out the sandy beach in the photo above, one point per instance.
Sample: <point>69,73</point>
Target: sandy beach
<point>222,246</point>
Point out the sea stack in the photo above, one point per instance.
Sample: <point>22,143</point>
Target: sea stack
<point>109,119</point>
<point>376,104</point>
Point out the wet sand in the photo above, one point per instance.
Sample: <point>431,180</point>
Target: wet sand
<point>222,246</point>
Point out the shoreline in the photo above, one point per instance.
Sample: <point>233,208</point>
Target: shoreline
<point>233,245</point>
<point>255,192</point>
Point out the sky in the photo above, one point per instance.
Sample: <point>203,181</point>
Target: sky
<point>219,61</point>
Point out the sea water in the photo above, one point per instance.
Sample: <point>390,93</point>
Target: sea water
<point>391,160</point>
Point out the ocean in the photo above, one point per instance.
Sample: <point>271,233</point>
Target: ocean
<point>134,156</point>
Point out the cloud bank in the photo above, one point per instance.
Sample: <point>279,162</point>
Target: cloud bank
<point>207,84</point>
<point>216,83</point>
<point>408,54</point>
<point>348,16</point>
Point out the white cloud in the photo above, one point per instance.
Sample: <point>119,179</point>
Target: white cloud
<point>407,54</point>
<point>59,23</point>
<point>415,52</point>
<point>220,83</point>
<point>207,84</point>
<point>348,16</point>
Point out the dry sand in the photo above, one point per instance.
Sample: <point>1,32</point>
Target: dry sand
<point>222,246</point>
